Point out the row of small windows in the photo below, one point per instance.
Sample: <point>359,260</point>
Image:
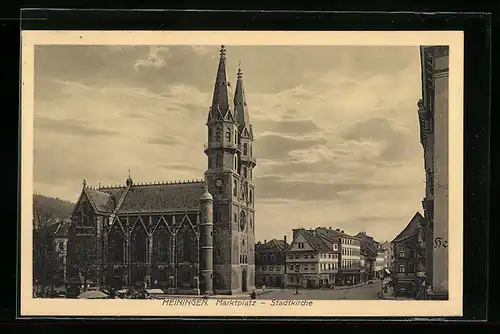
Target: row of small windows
<point>350,242</point>
<point>243,259</point>
<point>297,256</point>
<point>350,263</point>
<point>271,268</point>
<point>311,256</point>
<point>265,257</point>
<point>305,267</point>
<point>328,266</point>
<point>351,252</point>
<point>329,255</point>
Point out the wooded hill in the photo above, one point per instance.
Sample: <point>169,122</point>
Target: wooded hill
<point>48,209</point>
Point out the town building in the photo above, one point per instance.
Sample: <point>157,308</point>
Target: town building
<point>312,261</point>
<point>380,263</point>
<point>270,263</point>
<point>433,119</point>
<point>350,255</point>
<point>388,248</point>
<point>369,246</point>
<point>407,265</point>
<point>184,236</point>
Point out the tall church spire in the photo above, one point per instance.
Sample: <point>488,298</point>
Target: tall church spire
<point>222,103</point>
<point>240,105</point>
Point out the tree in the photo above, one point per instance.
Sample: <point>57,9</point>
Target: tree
<point>87,260</point>
<point>45,258</point>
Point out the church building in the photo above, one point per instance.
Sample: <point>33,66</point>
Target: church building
<point>186,237</point>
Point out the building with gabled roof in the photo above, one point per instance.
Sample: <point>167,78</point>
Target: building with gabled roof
<point>408,271</point>
<point>350,269</point>
<point>183,236</point>
<point>312,260</point>
<point>270,263</point>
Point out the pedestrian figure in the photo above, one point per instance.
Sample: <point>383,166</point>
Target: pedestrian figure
<point>282,286</point>
<point>253,295</point>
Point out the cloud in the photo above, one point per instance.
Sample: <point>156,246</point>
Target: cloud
<point>276,147</point>
<point>165,140</point>
<point>182,167</point>
<point>156,58</point>
<point>70,127</point>
<point>382,130</point>
<point>282,188</point>
<point>287,126</point>
<point>201,50</point>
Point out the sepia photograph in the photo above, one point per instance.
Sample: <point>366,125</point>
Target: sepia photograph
<point>241,173</point>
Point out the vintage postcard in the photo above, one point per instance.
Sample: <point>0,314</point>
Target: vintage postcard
<point>271,173</point>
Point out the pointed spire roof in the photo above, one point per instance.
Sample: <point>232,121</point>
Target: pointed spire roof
<point>222,98</point>
<point>240,104</point>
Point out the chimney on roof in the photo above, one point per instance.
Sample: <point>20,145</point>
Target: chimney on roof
<point>337,229</point>
<point>329,227</point>
<point>342,231</point>
<point>284,238</point>
<point>265,241</point>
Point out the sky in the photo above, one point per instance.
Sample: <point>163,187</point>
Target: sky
<point>337,134</point>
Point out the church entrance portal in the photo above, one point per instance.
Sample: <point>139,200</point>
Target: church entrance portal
<point>244,280</point>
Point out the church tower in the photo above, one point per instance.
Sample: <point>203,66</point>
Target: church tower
<point>229,180</point>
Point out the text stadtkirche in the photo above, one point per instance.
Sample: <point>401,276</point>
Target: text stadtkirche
<point>195,302</point>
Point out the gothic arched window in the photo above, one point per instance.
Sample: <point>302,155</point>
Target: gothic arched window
<point>245,148</point>
<point>235,162</point>
<point>187,245</point>
<point>139,244</point>
<point>251,196</point>
<point>162,244</point>
<point>85,214</point>
<point>217,135</point>
<point>235,136</point>
<point>116,245</point>
<point>235,188</point>
<point>245,172</point>
<point>228,135</point>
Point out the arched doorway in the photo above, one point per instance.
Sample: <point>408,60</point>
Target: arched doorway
<point>244,280</point>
